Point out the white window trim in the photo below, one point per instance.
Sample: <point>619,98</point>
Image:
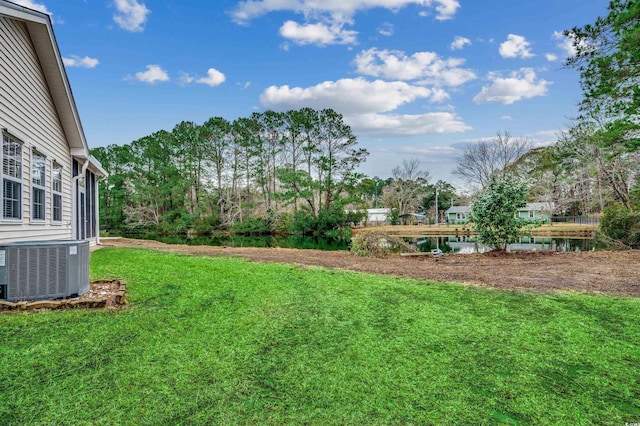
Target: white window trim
<point>55,164</point>
<point>34,186</point>
<point>20,180</point>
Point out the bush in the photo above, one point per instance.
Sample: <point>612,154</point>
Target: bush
<point>378,244</point>
<point>356,217</point>
<point>205,225</point>
<point>304,223</point>
<point>493,212</point>
<point>621,225</point>
<point>328,220</point>
<point>252,226</point>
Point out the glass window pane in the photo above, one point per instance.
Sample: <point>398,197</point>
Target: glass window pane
<point>11,199</point>
<point>57,207</point>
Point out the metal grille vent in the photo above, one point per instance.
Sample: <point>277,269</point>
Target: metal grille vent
<point>38,271</point>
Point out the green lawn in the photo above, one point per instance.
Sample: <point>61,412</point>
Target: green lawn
<point>226,341</point>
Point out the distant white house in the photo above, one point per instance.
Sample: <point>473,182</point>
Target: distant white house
<point>49,185</point>
<point>377,216</point>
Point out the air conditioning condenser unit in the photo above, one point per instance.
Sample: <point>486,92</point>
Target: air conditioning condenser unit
<point>41,270</point>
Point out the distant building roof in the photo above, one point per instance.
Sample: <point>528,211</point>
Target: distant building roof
<point>458,209</point>
<point>537,207</point>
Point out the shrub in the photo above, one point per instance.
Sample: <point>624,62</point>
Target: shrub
<point>356,217</point>
<point>378,244</point>
<point>252,226</point>
<point>621,225</point>
<point>493,212</point>
<point>328,220</point>
<point>205,225</point>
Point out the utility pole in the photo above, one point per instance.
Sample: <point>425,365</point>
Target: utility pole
<point>437,215</point>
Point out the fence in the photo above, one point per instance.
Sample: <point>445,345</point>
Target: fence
<point>582,220</point>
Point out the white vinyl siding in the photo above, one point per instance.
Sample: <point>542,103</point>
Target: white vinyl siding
<point>28,111</point>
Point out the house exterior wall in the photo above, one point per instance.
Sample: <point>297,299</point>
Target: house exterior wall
<point>454,220</point>
<point>377,216</point>
<point>28,114</point>
<point>537,215</point>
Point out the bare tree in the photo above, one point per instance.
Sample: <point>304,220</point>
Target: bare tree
<point>407,187</point>
<point>482,160</point>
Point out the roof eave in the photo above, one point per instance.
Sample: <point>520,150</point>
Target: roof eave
<point>41,32</point>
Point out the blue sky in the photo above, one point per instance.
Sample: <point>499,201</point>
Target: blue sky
<point>413,78</point>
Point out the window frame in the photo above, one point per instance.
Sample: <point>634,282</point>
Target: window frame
<point>16,180</point>
<point>38,187</point>
<point>56,193</point>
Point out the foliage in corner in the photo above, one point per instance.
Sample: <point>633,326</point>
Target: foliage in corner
<point>494,212</point>
<point>621,226</point>
<point>607,59</point>
<point>378,244</point>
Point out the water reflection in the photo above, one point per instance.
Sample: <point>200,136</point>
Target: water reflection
<point>295,241</point>
<point>470,244</point>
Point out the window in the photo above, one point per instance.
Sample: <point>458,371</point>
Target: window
<point>531,214</point>
<point>38,174</point>
<point>56,186</point>
<point>11,178</point>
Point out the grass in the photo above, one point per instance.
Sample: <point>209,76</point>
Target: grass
<point>226,341</point>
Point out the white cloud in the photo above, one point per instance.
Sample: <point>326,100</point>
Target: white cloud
<point>522,84</point>
<point>152,75</point>
<point>446,9</point>
<point>427,67</point>
<point>551,57</point>
<point>347,96</point>
<point>185,79</point>
<point>319,34</point>
<point>33,5</point>
<point>213,78</point>
<point>406,124</point>
<point>506,117</point>
<point>565,43</point>
<point>386,29</point>
<point>363,104</point>
<point>76,61</point>
<point>516,47</point>
<point>130,15</point>
<point>459,43</point>
<point>249,9</point>
<point>543,137</point>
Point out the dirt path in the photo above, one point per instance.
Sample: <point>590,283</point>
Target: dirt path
<point>615,273</point>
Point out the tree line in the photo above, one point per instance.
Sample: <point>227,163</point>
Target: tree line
<point>263,170</point>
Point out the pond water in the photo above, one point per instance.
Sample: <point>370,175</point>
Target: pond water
<point>289,241</point>
<point>448,244</point>
<point>465,245</point>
